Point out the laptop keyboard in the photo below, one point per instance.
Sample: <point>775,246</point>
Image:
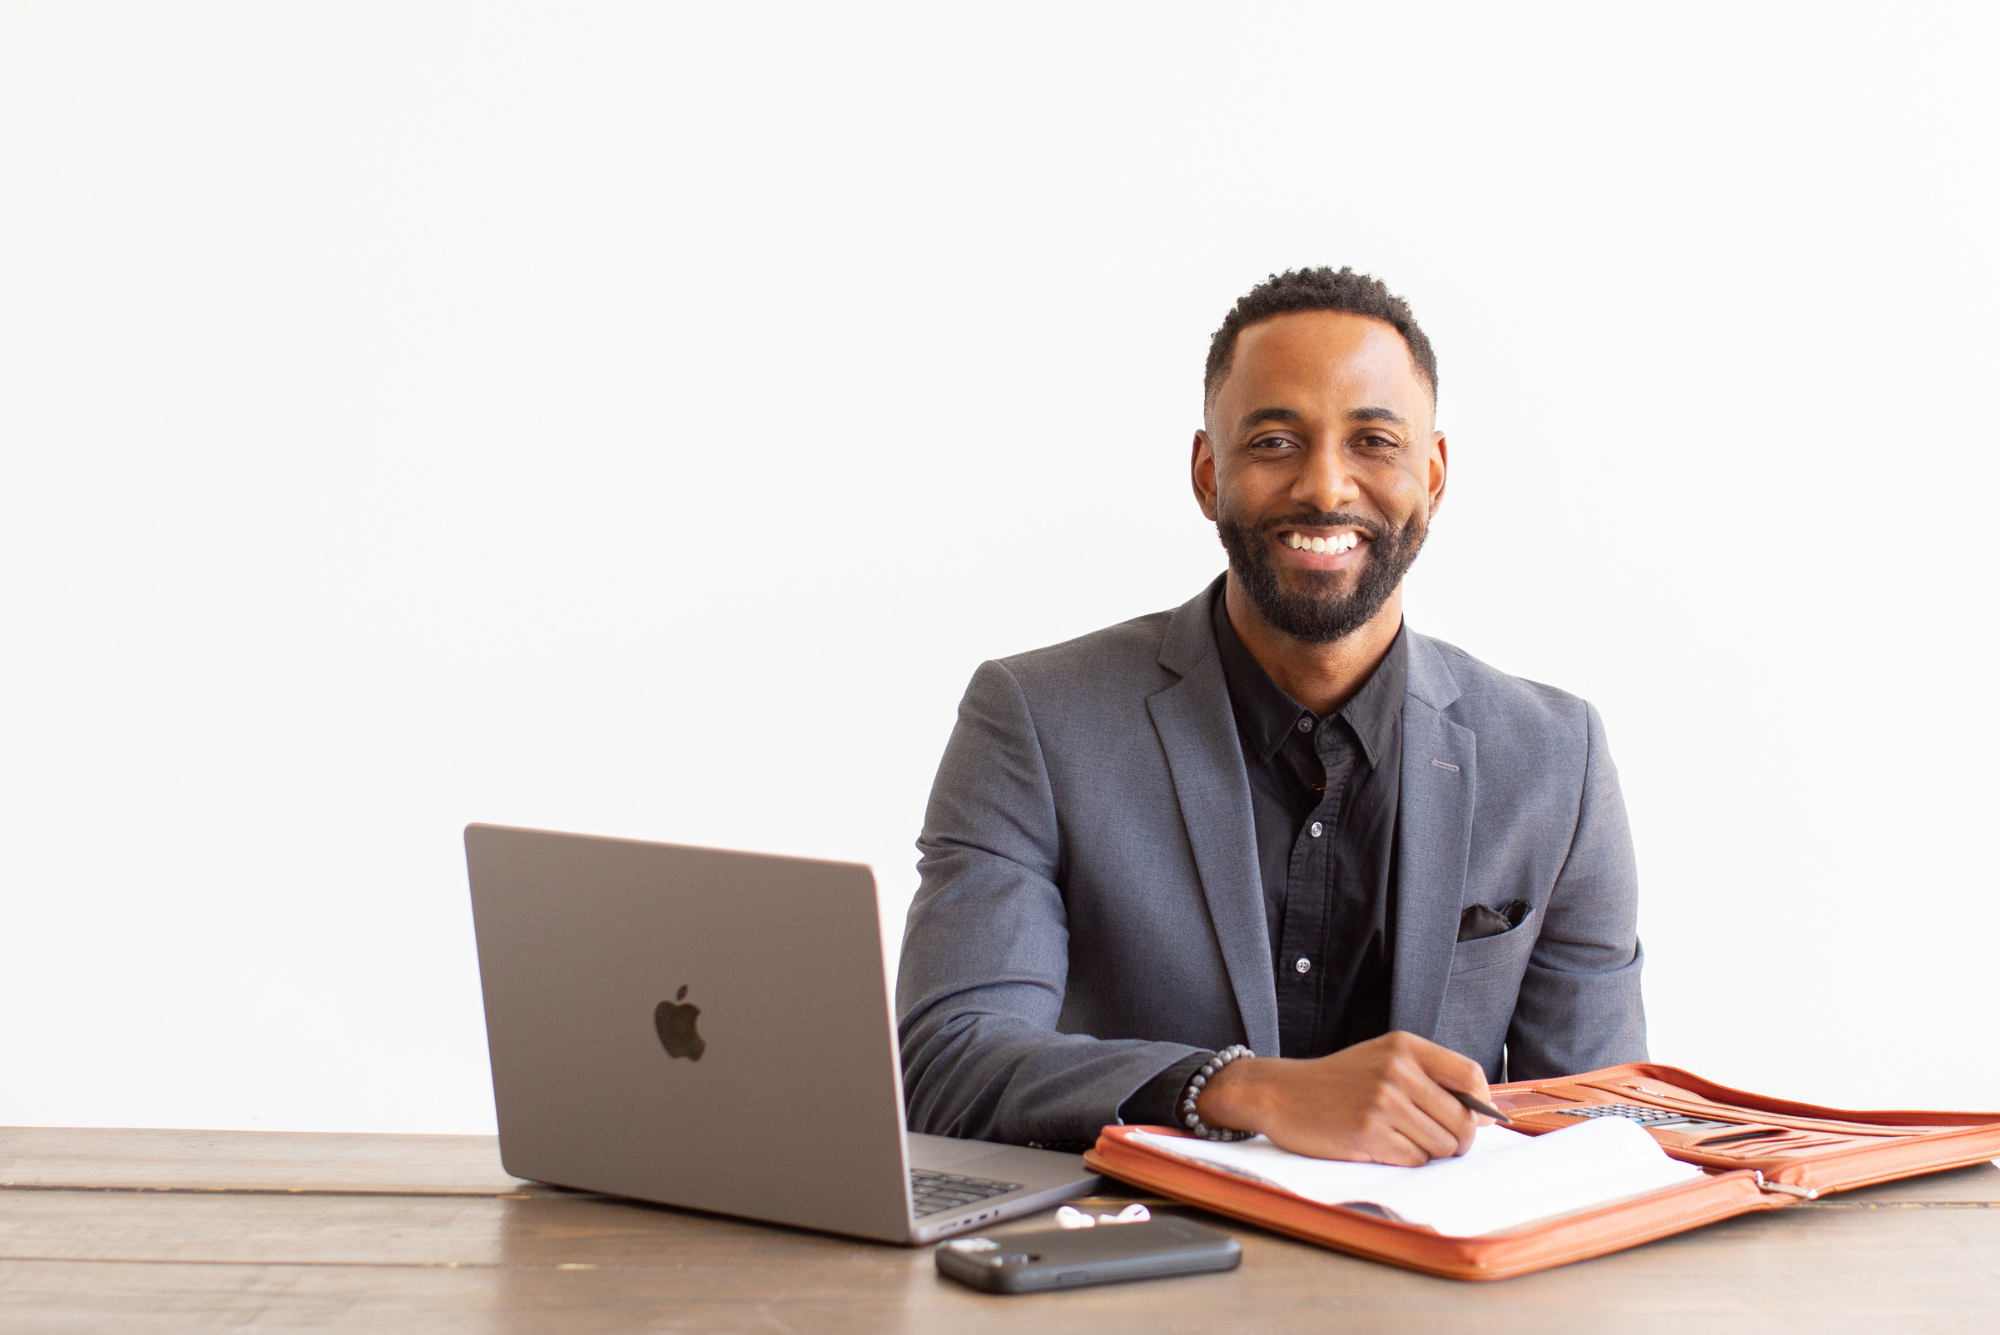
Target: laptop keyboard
<point>935,1193</point>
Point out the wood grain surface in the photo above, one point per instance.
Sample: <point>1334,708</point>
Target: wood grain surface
<point>172,1231</point>
<point>41,1156</point>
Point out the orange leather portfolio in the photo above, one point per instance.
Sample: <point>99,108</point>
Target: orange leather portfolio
<point>1756,1153</point>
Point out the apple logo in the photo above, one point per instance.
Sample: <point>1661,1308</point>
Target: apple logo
<point>676,1025</point>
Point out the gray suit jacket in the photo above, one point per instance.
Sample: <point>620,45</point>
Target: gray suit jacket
<point>1091,910</point>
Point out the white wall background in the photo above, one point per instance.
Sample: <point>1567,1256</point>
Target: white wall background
<point>642,419</point>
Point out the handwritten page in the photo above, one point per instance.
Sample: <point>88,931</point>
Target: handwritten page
<point>1505,1180</point>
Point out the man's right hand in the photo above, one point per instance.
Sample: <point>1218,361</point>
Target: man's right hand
<point>1384,1101</point>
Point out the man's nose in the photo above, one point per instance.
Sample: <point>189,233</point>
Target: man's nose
<point>1325,481</point>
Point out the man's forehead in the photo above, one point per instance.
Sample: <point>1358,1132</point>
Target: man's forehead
<point>1316,362</point>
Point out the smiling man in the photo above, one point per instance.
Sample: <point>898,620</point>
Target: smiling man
<point>1272,862</point>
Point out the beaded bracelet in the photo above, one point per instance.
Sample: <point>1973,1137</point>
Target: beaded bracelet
<point>1191,1094</point>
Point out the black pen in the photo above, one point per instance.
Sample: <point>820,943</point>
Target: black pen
<point>1479,1107</point>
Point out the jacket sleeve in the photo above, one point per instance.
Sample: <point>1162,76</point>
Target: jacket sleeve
<point>986,950</point>
<point>1579,1007</point>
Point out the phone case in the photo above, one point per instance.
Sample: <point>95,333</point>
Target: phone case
<point>1772,1152</point>
<point>1074,1258</point>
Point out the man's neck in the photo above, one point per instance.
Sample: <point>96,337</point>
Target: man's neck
<point>1322,677</point>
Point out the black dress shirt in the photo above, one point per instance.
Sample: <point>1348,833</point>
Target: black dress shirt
<point>1324,793</point>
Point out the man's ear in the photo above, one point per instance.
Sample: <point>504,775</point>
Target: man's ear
<point>1202,468</point>
<point>1440,456</point>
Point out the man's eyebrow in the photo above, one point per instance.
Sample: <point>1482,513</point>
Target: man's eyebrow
<point>1259,416</point>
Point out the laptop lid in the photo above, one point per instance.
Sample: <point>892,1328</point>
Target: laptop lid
<point>692,1026</point>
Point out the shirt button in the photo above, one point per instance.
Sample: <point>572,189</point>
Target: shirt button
<point>1305,725</point>
<point>1316,829</point>
<point>1303,965</point>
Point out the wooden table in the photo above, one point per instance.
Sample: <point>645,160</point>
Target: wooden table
<point>138,1231</point>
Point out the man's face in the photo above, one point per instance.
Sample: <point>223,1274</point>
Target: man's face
<point>1321,468</point>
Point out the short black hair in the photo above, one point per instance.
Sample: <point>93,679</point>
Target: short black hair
<point>1320,289</point>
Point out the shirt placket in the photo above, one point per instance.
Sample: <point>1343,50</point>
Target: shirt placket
<point>1308,900</point>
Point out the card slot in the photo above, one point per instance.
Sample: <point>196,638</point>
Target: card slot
<point>1812,1148</point>
<point>1654,1088</point>
<point>1750,1153</point>
<point>1528,1100</point>
<point>1738,1137</point>
<point>1753,1149</point>
<point>1725,1134</point>
<point>1679,1100</point>
<point>1791,1140</point>
<point>1669,1098</point>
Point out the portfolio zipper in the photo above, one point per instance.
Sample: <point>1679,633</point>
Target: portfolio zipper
<point>1803,1193</point>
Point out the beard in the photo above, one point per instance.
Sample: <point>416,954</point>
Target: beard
<point>1319,613</point>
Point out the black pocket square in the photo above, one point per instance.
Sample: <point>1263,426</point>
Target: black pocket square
<point>1479,922</point>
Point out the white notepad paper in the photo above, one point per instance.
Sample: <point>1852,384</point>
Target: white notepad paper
<point>1504,1181</point>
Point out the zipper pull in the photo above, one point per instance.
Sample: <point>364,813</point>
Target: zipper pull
<point>1803,1193</point>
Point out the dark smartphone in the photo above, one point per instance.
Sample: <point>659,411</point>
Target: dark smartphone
<point>1069,1258</point>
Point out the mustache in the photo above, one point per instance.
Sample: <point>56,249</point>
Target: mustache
<point>1374,528</point>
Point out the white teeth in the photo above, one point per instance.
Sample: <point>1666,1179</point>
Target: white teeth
<point>1341,542</point>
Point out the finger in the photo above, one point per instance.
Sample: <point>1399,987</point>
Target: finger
<point>1393,1147</point>
<point>1453,1070</point>
<point>1413,1112</point>
<point>1436,1103</point>
<point>1456,1074</point>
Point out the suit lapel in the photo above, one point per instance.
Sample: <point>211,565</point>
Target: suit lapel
<point>1433,843</point>
<point>1198,733</point>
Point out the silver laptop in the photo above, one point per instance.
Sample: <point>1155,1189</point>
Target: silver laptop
<point>712,1030</point>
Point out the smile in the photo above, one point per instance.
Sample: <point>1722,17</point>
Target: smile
<point>1339,542</point>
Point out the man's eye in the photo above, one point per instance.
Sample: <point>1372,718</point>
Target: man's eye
<point>1273,443</point>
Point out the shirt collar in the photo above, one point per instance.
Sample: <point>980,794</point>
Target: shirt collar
<point>1266,715</point>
